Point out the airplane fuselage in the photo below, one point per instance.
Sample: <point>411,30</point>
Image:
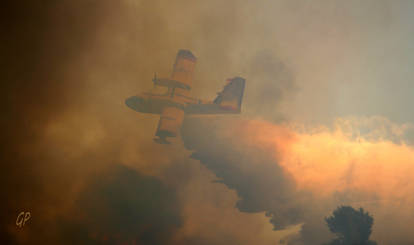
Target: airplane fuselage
<point>154,103</point>
<point>170,98</point>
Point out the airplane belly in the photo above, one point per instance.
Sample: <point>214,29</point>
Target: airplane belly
<point>153,104</point>
<point>170,122</point>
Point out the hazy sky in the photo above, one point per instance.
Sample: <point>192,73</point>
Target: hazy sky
<point>326,111</point>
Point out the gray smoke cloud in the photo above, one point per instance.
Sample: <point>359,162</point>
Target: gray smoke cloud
<point>67,67</point>
<point>242,163</point>
<point>261,184</point>
<point>119,206</point>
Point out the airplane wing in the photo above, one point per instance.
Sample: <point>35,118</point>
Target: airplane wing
<point>169,124</point>
<point>227,102</point>
<point>162,95</point>
<point>183,69</point>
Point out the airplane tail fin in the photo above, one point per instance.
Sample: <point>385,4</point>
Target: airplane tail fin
<point>232,94</point>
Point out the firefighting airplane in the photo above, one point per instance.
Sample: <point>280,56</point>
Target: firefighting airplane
<point>170,98</point>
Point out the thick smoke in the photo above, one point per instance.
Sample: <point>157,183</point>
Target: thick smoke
<point>58,113</point>
<point>122,206</point>
<point>298,176</point>
<point>67,66</point>
<point>260,183</point>
<point>38,42</point>
<point>270,82</point>
<point>117,207</point>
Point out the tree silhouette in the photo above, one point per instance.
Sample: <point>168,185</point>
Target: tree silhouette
<point>352,227</point>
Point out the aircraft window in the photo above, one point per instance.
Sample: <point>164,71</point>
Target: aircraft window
<point>160,90</point>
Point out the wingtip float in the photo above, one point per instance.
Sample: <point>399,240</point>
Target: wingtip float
<point>171,98</point>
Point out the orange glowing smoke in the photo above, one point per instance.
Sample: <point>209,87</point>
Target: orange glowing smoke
<point>324,161</point>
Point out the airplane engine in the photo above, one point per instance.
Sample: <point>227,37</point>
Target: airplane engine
<point>170,122</point>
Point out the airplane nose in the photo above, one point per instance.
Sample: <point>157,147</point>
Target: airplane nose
<point>133,102</point>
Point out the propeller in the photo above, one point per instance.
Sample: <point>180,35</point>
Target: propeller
<point>154,80</point>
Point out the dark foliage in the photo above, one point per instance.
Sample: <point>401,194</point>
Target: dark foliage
<point>352,227</point>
